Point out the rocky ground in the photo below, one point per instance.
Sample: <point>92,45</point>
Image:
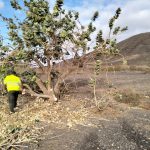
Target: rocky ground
<point>128,132</point>
<point>119,126</point>
<point>75,123</point>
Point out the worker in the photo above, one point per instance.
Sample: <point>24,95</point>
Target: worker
<point>13,85</point>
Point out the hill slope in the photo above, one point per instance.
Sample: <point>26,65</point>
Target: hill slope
<point>136,49</point>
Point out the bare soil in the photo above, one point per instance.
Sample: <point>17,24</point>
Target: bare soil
<point>118,126</point>
<point>138,46</point>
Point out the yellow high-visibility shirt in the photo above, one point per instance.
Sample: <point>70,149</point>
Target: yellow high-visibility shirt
<point>13,83</point>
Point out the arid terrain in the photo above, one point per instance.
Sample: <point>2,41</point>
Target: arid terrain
<point>120,125</point>
<point>137,49</point>
<point>118,117</point>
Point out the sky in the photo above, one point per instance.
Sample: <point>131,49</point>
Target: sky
<point>135,14</point>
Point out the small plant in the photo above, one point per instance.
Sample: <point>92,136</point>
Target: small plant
<point>104,49</point>
<point>93,81</point>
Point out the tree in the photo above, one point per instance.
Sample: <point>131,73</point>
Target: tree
<point>45,36</point>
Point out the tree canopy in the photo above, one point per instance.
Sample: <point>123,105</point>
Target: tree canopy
<point>45,35</point>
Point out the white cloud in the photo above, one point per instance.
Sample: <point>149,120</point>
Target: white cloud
<point>1,4</point>
<point>135,14</point>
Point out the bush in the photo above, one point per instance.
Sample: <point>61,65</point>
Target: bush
<point>140,68</point>
<point>128,97</point>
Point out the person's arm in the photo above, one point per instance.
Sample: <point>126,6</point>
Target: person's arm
<point>4,87</point>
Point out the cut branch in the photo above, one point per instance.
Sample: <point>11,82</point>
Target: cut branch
<point>32,93</point>
<point>39,64</point>
<point>30,90</point>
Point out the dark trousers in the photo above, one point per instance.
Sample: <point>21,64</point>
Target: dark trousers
<point>12,99</point>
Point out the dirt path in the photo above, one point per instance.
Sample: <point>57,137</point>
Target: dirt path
<point>130,132</point>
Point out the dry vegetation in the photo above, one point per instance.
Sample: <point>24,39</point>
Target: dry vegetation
<point>23,126</point>
<point>127,96</point>
<point>144,68</point>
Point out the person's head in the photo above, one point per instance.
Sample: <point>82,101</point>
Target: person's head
<point>9,72</point>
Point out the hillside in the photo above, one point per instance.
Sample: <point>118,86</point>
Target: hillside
<point>136,49</point>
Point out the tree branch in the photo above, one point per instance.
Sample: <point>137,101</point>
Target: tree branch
<point>32,93</point>
<point>48,76</point>
<point>41,85</point>
<point>30,90</point>
<point>39,64</point>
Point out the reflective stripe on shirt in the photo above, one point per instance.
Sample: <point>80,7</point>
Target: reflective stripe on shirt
<point>12,83</point>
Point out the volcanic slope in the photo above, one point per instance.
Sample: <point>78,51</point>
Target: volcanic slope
<point>136,49</point>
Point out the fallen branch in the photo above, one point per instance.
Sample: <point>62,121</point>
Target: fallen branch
<point>15,140</point>
<point>32,93</point>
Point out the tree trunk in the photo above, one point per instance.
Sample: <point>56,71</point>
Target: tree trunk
<point>59,82</point>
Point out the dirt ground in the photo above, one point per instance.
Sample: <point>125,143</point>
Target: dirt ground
<point>136,80</point>
<point>117,126</point>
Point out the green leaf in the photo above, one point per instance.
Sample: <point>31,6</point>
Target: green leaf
<point>15,5</point>
<point>95,16</point>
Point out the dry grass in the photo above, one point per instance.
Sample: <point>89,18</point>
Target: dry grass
<point>21,127</point>
<point>119,68</point>
<point>140,68</point>
<point>127,96</point>
<point>103,98</point>
<point>144,68</point>
<point>145,105</point>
